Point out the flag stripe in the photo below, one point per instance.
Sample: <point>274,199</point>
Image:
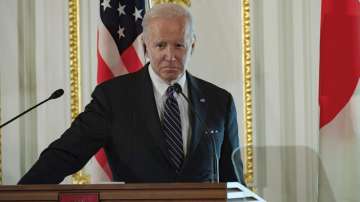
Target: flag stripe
<point>104,72</point>
<point>131,59</point>
<point>109,51</point>
<point>103,162</point>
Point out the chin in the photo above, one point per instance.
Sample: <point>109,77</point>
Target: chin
<point>170,77</point>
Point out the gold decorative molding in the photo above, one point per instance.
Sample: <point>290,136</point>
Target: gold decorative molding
<point>75,80</point>
<point>247,94</point>
<point>180,2</point>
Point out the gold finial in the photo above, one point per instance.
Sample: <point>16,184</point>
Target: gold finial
<point>186,3</point>
<point>81,177</point>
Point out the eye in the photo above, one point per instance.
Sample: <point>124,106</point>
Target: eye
<point>180,45</point>
<point>160,45</point>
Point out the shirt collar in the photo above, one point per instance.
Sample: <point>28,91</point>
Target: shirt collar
<point>160,85</point>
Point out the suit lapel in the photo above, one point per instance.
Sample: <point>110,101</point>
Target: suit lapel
<point>199,104</point>
<point>148,109</point>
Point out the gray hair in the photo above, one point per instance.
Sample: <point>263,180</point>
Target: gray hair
<point>168,11</point>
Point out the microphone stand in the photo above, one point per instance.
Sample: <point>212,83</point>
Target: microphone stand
<point>55,95</point>
<point>214,158</point>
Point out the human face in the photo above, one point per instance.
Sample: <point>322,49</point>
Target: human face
<point>168,47</point>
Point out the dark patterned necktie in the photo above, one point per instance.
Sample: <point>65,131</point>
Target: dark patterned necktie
<point>172,129</point>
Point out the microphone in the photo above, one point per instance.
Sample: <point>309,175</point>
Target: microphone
<point>214,157</point>
<point>56,94</point>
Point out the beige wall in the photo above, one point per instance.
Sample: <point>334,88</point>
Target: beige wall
<point>34,62</point>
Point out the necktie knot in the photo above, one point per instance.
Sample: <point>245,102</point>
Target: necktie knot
<point>170,90</point>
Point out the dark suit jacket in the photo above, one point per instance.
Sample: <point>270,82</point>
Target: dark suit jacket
<point>122,117</point>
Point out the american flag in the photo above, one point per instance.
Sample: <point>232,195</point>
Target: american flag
<point>119,47</point>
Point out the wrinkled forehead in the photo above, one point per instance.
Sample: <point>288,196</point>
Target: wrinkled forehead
<point>166,23</point>
<point>167,27</point>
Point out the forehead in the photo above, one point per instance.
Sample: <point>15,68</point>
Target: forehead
<point>168,27</point>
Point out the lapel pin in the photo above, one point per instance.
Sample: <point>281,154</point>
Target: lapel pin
<point>202,100</point>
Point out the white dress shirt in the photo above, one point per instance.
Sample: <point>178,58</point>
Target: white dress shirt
<point>160,88</point>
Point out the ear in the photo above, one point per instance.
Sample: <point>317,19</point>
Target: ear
<point>144,45</point>
<point>193,46</point>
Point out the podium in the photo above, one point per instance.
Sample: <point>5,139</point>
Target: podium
<point>129,192</point>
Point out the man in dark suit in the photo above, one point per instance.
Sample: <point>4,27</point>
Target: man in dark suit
<point>148,130</point>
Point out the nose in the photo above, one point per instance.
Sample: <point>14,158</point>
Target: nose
<point>170,54</point>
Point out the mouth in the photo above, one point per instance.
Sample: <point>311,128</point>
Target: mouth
<point>170,68</point>
<point>171,71</point>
